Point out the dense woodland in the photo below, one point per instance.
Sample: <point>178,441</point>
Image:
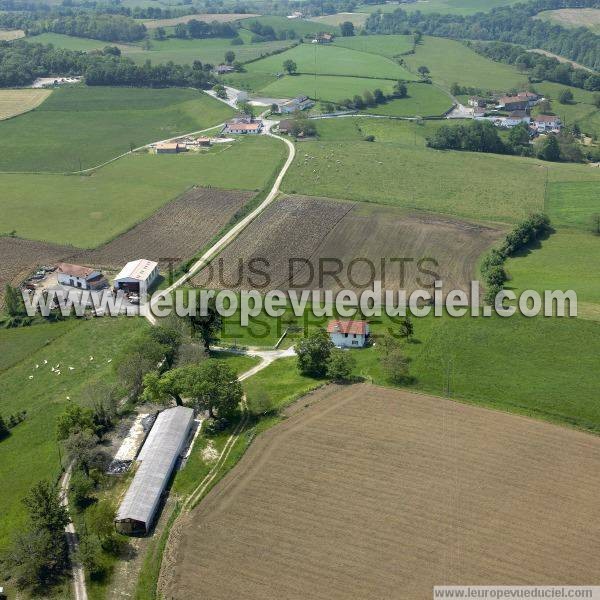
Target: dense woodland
<point>507,24</point>
<point>21,63</point>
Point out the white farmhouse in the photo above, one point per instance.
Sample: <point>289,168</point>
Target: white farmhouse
<point>547,123</point>
<point>290,106</point>
<point>137,276</point>
<point>348,334</point>
<point>84,278</point>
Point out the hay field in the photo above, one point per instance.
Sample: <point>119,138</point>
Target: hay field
<point>573,17</point>
<point>321,231</point>
<point>356,18</point>
<point>207,18</point>
<point>366,492</point>
<point>11,34</point>
<point>17,102</point>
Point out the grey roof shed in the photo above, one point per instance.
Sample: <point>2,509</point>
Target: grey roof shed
<point>157,459</point>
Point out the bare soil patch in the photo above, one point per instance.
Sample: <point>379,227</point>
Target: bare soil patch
<point>176,231</point>
<point>207,18</point>
<point>17,102</point>
<point>19,258</point>
<point>372,493</point>
<point>299,237</point>
<point>11,34</point>
<point>574,17</point>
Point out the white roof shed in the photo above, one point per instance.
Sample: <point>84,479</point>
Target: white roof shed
<point>157,459</point>
<point>138,270</point>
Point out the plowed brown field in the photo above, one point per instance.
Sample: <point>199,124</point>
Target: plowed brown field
<point>322,231</point>
<point>178,230</point>
<point>371,493</point>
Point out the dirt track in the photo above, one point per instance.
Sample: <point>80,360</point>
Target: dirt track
<point>376,493</point>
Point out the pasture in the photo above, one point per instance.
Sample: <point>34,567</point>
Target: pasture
<point>573,203</point>
<point>422,100</point>
<point>210,51</point>
<point>81,127</point>
<point>295,236</point>
<point>324,87</point>
<point>17,102</point>
<point>565,261</point>
<point>473,186</point>
<point>89,210</point>
<point>573,17</point>
<point>206,17</point>
<point>386,45</point>
<point>332,60</point>
<point>451,62</point>
<point>70,42</point>
<point>343,451</point>
<point>31,452</point>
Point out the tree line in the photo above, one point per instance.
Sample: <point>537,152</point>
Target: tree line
<point>540,67</point>
<point>506,23</point>
<point>534,228</point>
<point>21,63</point>
<point>99,26</point>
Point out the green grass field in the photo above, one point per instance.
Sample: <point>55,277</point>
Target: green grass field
<point>452,62</point>
<point>453,7</point>
<point>81,127</point>
<point>477,186</point>
<point>69,42</point>
<point>324,87</point>
<point>356,18</point>
<point>205,50</point>
<point>565,261</point>
<point>88,210</point>
<point>422,100</point>
<point>573,203</point>
<point>31,452</point>
<point>385,45</point>
<point>332,60</point>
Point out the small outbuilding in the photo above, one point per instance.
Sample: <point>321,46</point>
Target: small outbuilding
<point>348,334</point>
<point>137,276</point>
<point>84,278</point>
<point>170,148</point>
<point>157,460</point>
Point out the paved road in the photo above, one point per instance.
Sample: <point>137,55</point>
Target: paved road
<point>218,246</point>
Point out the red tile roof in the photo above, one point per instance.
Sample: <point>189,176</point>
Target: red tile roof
<point>547,119</point>
<point>357,327</point>
<point>74,270</point>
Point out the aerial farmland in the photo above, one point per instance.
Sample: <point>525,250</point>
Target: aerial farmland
<point>199,205</point>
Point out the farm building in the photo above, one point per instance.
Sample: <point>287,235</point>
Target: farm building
<point>285,125</point>
<point>547,123</point>
<point>223,69</point>
<point>157,460</point>
<point>204,142</point>
<point>323,38</point>
<point>299,103</point>
<point>77,276</point>
<point>516,117</point>
<point>137,276</point>
<point>243,126</point>
<point>170,148</point>
<point>348,334</point>
<point>512,103</point>
<point>477,102</point>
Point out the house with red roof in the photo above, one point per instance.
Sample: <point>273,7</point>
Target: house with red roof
<point>348,334</point>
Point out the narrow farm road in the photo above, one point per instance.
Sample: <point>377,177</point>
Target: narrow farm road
<point>79,589</point>
<point>220,244</point>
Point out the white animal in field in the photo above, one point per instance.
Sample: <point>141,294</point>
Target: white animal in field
<point>31,377</point>
<point>71,368</point>
<point>37,366</point>
<point>91,358</point>
<point>109,360</point>
<point>45,362</point>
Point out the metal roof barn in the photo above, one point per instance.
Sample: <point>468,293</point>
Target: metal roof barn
<point>157,460</point>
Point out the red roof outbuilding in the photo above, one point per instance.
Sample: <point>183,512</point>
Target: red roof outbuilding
<point>354,327</point>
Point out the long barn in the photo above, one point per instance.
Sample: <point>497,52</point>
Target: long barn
<point>157,459</point>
